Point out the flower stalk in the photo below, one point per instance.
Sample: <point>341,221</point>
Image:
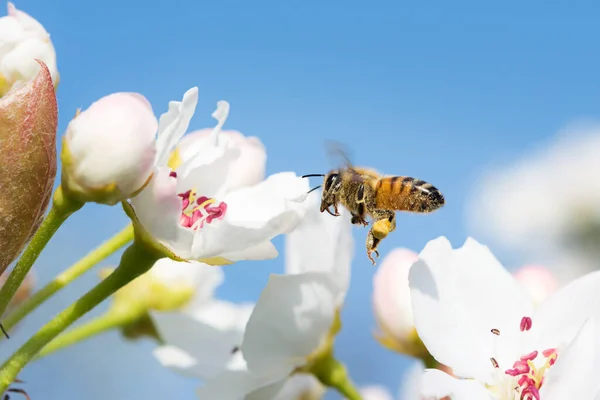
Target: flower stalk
<point>69,275</point>
<point>135,261</point>
<point>62,208</point>
<point>331,373</point>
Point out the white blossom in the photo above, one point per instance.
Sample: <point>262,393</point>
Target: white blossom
<point>190,208</point>
<point>474,317</point>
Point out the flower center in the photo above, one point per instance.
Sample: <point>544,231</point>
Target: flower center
<point>524,380</point>
<point>197,210</point>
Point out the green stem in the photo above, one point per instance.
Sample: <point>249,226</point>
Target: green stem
<point>331,373</point>
<point>110,320</point>
<point>61,209</point>
<point>135,261</point>
<point>94,257</point>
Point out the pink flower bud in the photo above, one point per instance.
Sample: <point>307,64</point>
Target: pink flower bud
<point>109,149</point>
<point>537,281</point>
<point>392,305</point>
<point>28,120</point>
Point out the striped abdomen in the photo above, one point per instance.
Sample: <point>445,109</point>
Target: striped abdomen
<point>404,193</point>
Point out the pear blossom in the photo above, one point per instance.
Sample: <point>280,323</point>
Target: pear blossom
<point>538,281</point>
<point>256,352</point>
<point>392,306</point>
<point>474,317</point>
<point>23,40</point>
<point>544,205</point>
<point>191,210</point>
<point>109,149</point>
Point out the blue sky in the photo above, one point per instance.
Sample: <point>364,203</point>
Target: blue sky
<point>436,90</point>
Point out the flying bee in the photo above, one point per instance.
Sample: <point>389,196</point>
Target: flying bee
<point>365,192</point>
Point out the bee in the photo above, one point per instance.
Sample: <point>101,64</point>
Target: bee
<point>366,193</point>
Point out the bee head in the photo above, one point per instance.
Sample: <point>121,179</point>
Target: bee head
<point>331,186</point>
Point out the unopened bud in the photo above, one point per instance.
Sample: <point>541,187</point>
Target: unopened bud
<point>109,149</point>
<point>23,41</point>
<point>392,305</point>
<point>28,121</point>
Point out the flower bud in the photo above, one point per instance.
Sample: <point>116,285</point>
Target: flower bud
<point>28,121</point>
<point>23,40</point>
<point>392,305</point>
<point>537,281</point>
<point>109,149</point>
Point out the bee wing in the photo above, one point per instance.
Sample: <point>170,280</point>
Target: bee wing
<point>338,154</point>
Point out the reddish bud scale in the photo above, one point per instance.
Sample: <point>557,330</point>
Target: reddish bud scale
<point>28,122</point>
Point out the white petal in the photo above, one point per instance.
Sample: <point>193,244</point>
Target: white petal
<point>254,215</point>
<point>208,336</point>
<point>262,251</point>
<point>376,392</point>
<point>26,21</point>
<point>248,168</point>
<point>292,316</point>
<point>235,385</point>
<point>574,375</point>
<point>299,385</point>
<point>321,243</point>
<point>410,388</point>
<point>19,64</point>
<point>560,317</point>
<point>158,209</point>
<point>438,384</point>
<point>113,142</point>
<point>176,359</point>
<point>268,392</point>
<point>220,114</point>
<point>458,296</point>
<point>173,124</point>
<point>203,278</point>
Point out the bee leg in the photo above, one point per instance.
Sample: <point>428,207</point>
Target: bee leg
<point>385,222</point>
<point>357,219</point>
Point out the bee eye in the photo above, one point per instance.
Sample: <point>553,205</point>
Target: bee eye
<point>329,181</point>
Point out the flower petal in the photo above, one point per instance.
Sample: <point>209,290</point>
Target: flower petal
<point>254,215</point>
<point>458,296</point>
<point>248,169</point>
<point>173,124</point>
<point>438,384</point>
<point>203,278</point>
<point>160,194</point>
<point>292,317</point>
<point>560,317</point>
<point>262,251</point>
<point>575,373</point>
<point>235,385</point>
<point>376,392</point>
<point>410,388</point>
<point>300,386</point>
<point>204,338</point>
<point>321,243</point>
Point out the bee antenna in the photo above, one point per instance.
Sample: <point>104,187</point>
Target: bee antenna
<point>313,189</point>
<point>310,175</point>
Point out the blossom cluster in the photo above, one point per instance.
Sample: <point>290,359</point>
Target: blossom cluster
<point>199,201</point>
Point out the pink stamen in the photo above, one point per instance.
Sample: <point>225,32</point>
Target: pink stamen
<point>197,211</point>
<point>525,324</point>
<point>173,174</point>
<point>530,357</point>
<point>531,377</point>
